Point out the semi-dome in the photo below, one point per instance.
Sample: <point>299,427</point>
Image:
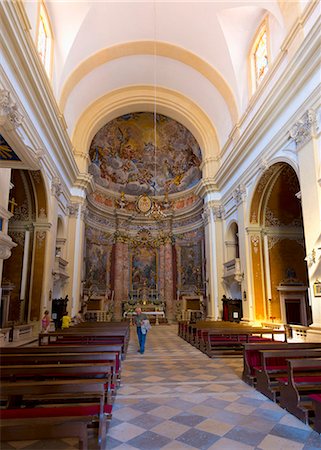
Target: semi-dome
<point>145,153</point>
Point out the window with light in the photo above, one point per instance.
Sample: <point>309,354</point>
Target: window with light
<point>44,41</point>
<point>259,57</point>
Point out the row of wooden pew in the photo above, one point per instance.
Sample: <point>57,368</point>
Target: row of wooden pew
<point>68,383</point>
<point>224,338</point>
<point>289,374</point>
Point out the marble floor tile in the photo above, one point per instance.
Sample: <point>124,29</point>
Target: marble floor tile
<point>275,442</point>
<point>149,441</point>
<point>188,419</point>
<point>125,431</point>
<point>166,412</point>
<point>147,421</point>
<point>245,435</point>
<point>198,438</point>
<point>170,429</point>
<point>228,444</point>
<point>215,427</point>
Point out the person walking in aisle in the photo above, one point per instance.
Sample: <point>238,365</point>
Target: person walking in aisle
<point>142,324</point>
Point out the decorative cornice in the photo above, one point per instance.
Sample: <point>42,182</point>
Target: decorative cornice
<point>304,129</point>
<point>10,116</point>
<point>85,181</point>
<point>206,186</point>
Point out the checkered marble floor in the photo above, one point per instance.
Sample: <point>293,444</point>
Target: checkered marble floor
<point>174,397</point>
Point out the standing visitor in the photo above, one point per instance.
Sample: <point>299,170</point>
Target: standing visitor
<point>142,324</point>
<point>45,322</point>
<point>65,321</point>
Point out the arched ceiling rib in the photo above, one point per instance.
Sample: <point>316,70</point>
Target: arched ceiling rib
<point>141,98</point>
<point>148,48</point>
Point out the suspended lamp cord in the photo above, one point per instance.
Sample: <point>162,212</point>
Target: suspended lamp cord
<point>155,98</point>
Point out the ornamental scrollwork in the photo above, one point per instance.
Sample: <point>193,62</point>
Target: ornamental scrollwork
<point>302,131</point>
<point>9,110</point>
<point>255,239</point>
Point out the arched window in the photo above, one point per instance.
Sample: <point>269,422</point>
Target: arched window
<point>259,56</point>
<point>44,39</point>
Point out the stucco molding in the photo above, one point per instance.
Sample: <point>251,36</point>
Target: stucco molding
<point>10,115</point>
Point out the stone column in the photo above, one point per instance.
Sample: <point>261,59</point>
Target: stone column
<point>168,262</point>
<point>76,238</point>
<point>118,283</point>
<point>240,197</point>
<point>125,270</point>
<point>306,135</point>
<point>161,271</point>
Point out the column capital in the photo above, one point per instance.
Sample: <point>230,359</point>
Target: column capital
<point>304,129</point>
<point>239,194</point>
<point>56,187</point>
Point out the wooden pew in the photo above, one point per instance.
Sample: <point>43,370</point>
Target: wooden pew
<point>220,342</point>
<point>87,335</point>
<point>316,404</point>
<point>273,365</point>
<point>109,359</point>
<point>252,356</point>
<point>303,379</point>
<point>53,419</point>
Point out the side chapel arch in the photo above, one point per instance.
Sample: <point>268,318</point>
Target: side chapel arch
<point>24,271</point>
<point>277,247</point>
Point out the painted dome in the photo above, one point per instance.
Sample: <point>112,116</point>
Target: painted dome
<point>124,158</point>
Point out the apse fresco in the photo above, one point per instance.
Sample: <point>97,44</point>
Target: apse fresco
<point>124,158</point>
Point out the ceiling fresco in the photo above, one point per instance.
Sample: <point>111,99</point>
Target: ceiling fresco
<point>124,158</point>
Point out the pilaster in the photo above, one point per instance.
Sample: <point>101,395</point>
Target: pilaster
<point>306,135</point>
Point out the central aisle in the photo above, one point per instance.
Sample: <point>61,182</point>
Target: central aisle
<point>175,397</point>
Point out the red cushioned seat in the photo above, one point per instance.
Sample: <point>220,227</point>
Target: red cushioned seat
<point>316,397</point>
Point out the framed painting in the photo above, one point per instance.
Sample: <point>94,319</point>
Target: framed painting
<point>143,268</point>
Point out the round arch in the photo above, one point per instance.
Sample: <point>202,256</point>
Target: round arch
<point>142,98</point>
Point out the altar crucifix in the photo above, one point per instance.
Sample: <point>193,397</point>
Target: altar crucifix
<point>12,205</point>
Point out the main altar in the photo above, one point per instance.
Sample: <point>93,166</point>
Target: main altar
<point>148,300</point>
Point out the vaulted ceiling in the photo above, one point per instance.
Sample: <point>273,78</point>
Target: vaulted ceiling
<point>134,54</point>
